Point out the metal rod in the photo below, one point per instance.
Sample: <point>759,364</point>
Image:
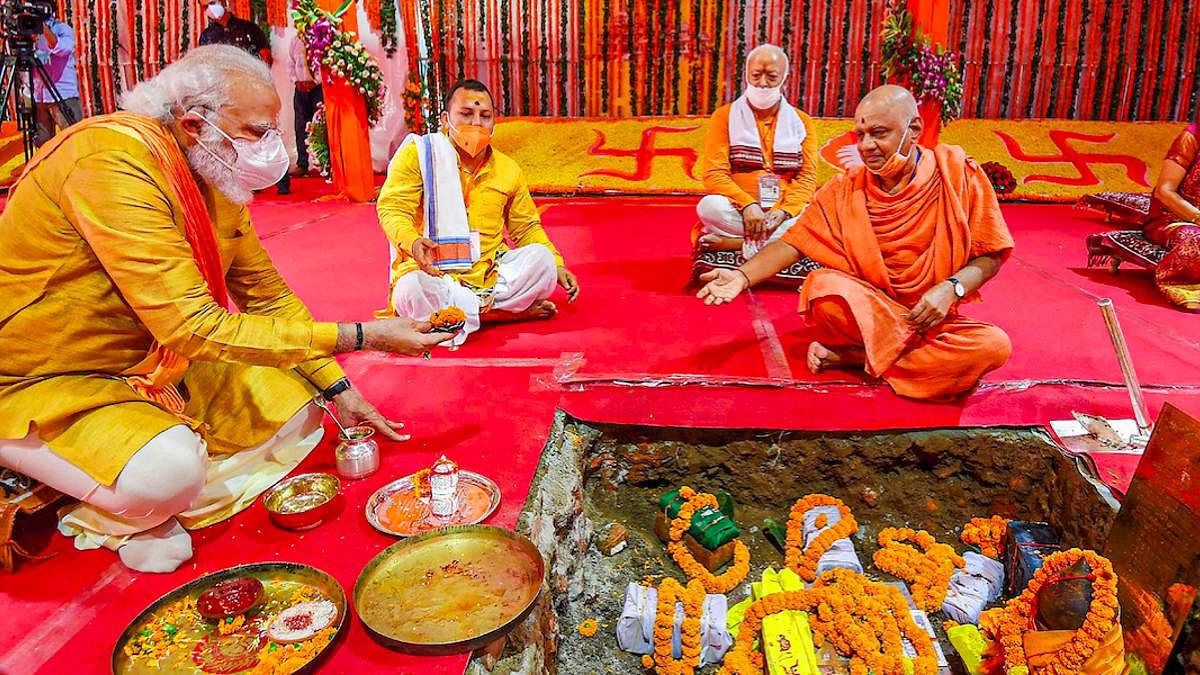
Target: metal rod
<point>323,405</point>
<point>1131,382</point>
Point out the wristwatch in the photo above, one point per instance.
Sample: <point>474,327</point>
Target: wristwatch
<point>960,291</point>
<point>335,389</point>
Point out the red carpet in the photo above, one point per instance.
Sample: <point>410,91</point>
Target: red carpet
<point>634,349</point>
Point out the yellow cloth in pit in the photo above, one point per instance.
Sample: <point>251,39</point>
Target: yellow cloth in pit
<point>498,207</point>
<point>786,636</point>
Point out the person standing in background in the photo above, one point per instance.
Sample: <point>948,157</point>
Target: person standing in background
<point>55,48</point>
<point>305,101</point>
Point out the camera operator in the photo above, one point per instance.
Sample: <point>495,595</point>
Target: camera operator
<point>55,48</point>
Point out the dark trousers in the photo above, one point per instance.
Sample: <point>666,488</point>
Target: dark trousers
<point>305,105</point>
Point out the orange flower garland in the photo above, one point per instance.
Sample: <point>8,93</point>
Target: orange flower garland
<point>738,569</point>
<point>861,619</point>
<point>1017,617</point>
<point>986,533</point>
<point>801,560</point>
<point>692,597</point>
<point>927,571</point>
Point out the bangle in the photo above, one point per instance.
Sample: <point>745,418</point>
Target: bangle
<point>358,337</point>
<point>335,389</point>
<point>744,276</point>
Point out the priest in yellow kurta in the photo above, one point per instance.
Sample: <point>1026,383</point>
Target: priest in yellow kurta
<point>759,164</point>
<point>905,240</point>
<point>126,381</point>
<point>450,206</point>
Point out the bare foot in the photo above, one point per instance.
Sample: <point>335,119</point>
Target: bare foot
<point>542,309</point>
<point>715,242</point>
<point>821,357</point>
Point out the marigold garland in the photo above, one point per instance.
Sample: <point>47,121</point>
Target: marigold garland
<point>1016,618</point>
<point>737,570</point>
<point>927,570</point>
<point>863,620</point>
<point>692,597</point>
<point>986,533</point>
<point>803,560</point>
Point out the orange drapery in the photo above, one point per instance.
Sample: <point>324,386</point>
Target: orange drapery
<point>346,120</point>
<point>931,17</point>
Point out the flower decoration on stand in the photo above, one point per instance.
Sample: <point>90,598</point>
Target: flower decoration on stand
<point>415,100</point>
<point>1002,179</point>
<point>339,54</point>
<point>908,56</point>
<point>738,569</point>
<point>318,141</point>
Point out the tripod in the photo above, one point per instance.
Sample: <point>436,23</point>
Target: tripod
<point>16,75</point>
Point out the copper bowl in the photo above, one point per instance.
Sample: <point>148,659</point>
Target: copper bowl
<point>302,502</point>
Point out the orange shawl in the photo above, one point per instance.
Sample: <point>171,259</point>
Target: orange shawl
<point>155,377</point>
<point>905,243</point>
<point>1108,659</point>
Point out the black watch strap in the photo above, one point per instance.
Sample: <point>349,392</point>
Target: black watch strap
<point>335,389</point>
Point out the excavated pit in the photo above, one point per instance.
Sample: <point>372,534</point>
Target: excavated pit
<point>591,475</point>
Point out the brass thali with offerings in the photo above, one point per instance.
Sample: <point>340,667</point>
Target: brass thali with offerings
<point>451,590</point>
<point>263,618</point>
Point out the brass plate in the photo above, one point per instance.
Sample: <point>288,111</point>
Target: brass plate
<point>451,590</point>
<point>478,495</point>
<point>280,579</point>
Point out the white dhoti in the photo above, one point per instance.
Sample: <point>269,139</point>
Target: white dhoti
<point>169,481</point>
<point>720,217</point>
<point>526,275</point>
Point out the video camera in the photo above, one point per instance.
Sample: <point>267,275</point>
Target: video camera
<point>22,20</point>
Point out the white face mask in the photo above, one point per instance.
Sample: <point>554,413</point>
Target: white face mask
<point>764,97</point>
<point>259,164</point>
<point>216,11</point>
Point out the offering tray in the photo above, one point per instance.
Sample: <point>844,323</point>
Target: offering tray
<point>284,584</point>
<point>396,508</point>
<point>449,591</point>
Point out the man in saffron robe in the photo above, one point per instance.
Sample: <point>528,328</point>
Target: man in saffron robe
<point>1174,220</point>
<point>903,239</point>
<point>759,163</point>
<point>125,380</point>
<point>449,207</point>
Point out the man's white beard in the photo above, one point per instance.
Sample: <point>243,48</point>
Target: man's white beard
<point>212,171</point>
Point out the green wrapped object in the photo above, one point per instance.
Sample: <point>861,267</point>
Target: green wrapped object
<point>775,534</point>
<point>711,528</point>
<point>725,504</point>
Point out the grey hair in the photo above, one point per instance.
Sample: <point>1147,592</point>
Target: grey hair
<point>767,47</point>
<point>203,78</point>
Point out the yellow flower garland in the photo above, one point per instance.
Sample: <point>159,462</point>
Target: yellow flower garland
<point>1016,618</point>
<point>861,619</point>
<point>986,533</point>
<point>927,571</point>
<point>738,569</point>
<point>801,560</point>
<point>692,597</point>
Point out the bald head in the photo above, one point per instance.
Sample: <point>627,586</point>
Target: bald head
<point>886,121</point>
<point>766,66</point>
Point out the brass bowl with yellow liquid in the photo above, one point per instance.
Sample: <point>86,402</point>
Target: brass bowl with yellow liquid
<point>451,590</point>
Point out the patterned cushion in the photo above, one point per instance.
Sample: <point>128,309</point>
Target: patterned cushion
<point>793,275</point>
<point>1124,246</point>
<point>1130,207</point>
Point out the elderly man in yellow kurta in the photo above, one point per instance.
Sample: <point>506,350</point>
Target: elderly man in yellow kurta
<point>125,381</point>
<point>449,204</point>
<point>759,163</point>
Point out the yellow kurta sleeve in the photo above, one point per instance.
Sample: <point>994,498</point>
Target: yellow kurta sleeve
<point>798,191</point>
<point>135,239</point>
<point>400,200</point>
<point>524,224</point>
<point>256,287</point>
<point>715,171</point>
